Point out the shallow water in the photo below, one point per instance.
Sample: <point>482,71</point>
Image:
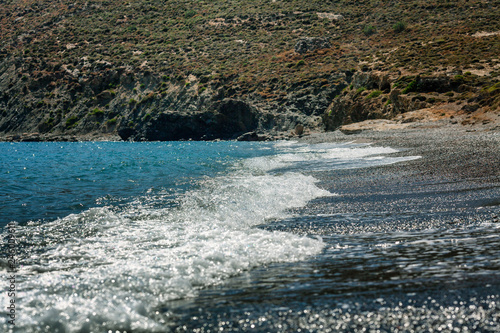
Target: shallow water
<point>194,236</point>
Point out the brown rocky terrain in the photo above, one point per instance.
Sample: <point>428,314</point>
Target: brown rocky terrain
<point>167,70</point>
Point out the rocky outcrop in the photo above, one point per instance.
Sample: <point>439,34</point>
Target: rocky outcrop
<point>107,101</point>
<point>354,103</point>
<point>253,136</point>
<point>371,80</point>
<point>376,95</point>
<point>226,119</point>
<point>60,103</point>
<point>308,44</point>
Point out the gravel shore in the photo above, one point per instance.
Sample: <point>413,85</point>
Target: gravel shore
<point>409,247</point>
<point>449,152</point>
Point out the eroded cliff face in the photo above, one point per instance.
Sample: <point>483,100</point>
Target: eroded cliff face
<point>164,70</point>
<point>56,103</point>
<point>382,95</point>
<point>53,102</point>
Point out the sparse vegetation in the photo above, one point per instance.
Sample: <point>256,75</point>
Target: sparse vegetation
<point>97,112</point>
<point>369,30</point>
<point>71,122</point>
<point>399,26</point>
<point>241,48</point>
<point>374,94</point>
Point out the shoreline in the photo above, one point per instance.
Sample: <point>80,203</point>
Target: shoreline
<point>420,120</point>
<point>450,151</point>
<point>398,239</point>
<point>385,233</point>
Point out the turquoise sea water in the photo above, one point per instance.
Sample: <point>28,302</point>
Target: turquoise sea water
<point>52,180</point>
<point>140,237</point>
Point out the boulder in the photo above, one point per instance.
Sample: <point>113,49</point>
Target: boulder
<point>330,16</point>
<point>307,44</point>
<point>226,119</point>
<point>299,130</point>
<point>371,81</point>
<point>252,136</point>
<point>470,108</point>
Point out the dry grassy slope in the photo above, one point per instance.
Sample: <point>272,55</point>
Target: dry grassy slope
<point>58,57</point>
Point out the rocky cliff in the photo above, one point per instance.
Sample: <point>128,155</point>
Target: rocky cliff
<point>378,95</point>
<point>156,70</point>
<point>54,104</point>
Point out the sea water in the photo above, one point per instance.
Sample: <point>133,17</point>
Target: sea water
<point>111,236</point>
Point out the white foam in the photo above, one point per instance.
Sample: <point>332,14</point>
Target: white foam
<point>325,156</point>
<point>110,269</point>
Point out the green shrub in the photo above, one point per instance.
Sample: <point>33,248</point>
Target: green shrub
<point>360,90</point>
<point>50,121</point>
<point>190,13</point>
<point>97,112</point>
<point>399,27</point>
<point>369,30</point>
<point>111,121</point>
<point>494,88</point>
<point>412,86</point>
<point>71,121</point>
<point>374,94</point>
<point>205,79</point>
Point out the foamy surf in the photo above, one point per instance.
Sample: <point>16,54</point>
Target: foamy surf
<point>110,268</point>
<point>115,267</point>
<point>295,156</point>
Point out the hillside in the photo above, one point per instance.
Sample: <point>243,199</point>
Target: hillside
<point>171,70</point>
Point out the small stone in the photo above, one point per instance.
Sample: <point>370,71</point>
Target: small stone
<point>299,129</point>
